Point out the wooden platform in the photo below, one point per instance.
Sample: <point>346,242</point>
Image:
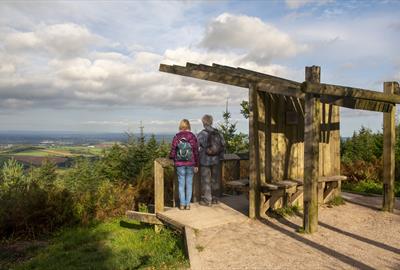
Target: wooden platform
<point>231,209</point>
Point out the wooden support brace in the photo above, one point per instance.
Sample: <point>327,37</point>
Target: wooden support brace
<point>329,190</point>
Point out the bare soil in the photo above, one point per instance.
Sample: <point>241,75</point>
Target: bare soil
<point>351,236</point>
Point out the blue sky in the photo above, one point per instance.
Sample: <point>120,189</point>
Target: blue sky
<point>93,66</point>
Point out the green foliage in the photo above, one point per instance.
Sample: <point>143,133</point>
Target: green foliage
<point>30,206</point>
<point>336,201</point>
<point>287,211</point>
<point>369,187</point>
<point>40,200</point>
<point>245,109</point>
<point>235,142</point>
<point>109,246</point>
<point>362,161</point>
<point>12,176</point>
<point>363,145</point>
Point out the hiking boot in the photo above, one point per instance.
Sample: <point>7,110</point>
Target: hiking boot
<point>181,207</point>
<point>187,207</point>
<point>215,201</point>
<point>204,203</point>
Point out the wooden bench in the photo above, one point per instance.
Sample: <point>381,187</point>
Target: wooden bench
<point>270,193</point>
<point>290,191</point>
<point>238,186</point>
<point>327,185</point>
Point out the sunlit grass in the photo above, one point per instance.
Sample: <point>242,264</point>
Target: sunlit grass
<point>111,246</point>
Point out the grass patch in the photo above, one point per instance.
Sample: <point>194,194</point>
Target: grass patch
<point>369,187</point>
<point>33,153</point>
<point>336,201</point>
<point>199,248</point>
<point>286,211</point>
<point>109,246</point>
<point>301,230</point>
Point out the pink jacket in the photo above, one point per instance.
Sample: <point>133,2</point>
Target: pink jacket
<point>191,138</point>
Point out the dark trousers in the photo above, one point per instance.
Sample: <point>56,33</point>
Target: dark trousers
<point>210,184</point>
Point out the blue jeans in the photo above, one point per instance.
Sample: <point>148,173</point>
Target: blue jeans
<point>185,180</point>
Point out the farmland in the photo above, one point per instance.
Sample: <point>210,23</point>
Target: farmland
<point>59,154</point>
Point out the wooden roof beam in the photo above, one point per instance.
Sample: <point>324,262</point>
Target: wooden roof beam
<point>357,103</point>
<point>205,75</point>
<point>344,91</point>
<point>272,85</point>
<point>204,72</point>
<point>256,76</point>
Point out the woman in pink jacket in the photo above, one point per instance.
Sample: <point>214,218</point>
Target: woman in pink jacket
<point>184,152</point>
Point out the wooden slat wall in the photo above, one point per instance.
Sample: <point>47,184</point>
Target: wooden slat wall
<point>284,140</point>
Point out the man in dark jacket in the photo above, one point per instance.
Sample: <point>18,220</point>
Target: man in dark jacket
<point>210,161</point>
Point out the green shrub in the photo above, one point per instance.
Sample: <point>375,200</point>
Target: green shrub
<point>336,201</point>
<point>287,211</point>
<point>40,200</point>
<point>29,208</point>
<point>362,162</point>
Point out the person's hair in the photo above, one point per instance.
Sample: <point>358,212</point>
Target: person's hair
<point>207,120</point>
<point>184,124</point>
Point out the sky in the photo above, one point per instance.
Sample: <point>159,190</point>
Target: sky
<point>93,66</point>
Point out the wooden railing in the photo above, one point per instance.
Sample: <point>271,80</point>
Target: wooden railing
<point>159,165</point>
<point>232,166</point>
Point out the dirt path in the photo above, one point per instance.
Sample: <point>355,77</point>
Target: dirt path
<point>350,236</point>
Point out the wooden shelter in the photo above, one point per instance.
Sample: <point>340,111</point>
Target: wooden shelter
<point>294,134</point>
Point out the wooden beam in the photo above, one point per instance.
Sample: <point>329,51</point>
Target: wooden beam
<point>312,121</point>
<point>170,222</point>
<point>158,186</point>
<point>265,82</point>
<point>206,75</point>
<point>254,154</point>
<point>191,249</point>
<point>389,141</point>
<point>344,91</point>
<point>274,88</point>
<point>258,76</point>
<point>143,217</point>
<point>357,103</point>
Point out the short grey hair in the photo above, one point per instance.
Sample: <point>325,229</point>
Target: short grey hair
<point>207,120</point>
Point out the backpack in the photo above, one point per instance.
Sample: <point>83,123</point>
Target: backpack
<point>184,150</point>
<point>214,143</point>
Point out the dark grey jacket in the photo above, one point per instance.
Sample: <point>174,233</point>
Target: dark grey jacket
<point>202,139</point>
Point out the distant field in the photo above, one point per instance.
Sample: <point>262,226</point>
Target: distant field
<point>32,153</point>
<point>54,151</point>
<point>35,155</point>
<point>75,150</point>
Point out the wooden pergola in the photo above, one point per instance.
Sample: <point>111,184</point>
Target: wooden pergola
<point>294,134</point>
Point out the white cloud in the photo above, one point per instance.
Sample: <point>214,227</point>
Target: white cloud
<point>60,39</point>
<point>256,40</point>
<point>61,66</point>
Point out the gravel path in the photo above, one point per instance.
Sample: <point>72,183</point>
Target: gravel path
<point>350,236</point>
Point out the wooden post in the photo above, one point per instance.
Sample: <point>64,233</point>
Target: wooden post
<point>158,187</point>
<point>254,195</point>
<point>389,140</point>
<point>312,124</point>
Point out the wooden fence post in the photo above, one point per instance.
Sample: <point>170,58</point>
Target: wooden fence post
<point>312,122</point>
<point>254,192</point>
<point>158,187</point>
<point>389,141</point>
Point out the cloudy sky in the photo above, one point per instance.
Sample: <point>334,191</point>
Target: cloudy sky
<point>93,66</point>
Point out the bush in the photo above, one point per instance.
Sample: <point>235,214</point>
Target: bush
<point>362,161</point>
<point>40,200</point>
<point>29,208</point>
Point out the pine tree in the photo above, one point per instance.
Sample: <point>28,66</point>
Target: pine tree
<point>234,142</point>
